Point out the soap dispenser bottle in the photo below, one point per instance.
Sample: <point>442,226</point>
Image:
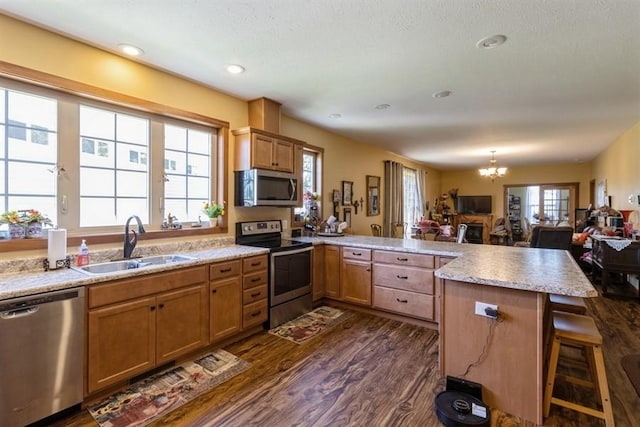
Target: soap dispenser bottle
<point>83,255</point>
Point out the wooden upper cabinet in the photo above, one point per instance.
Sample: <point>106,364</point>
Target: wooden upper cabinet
<point>255,148</point>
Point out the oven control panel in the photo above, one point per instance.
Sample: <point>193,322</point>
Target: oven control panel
<point>260,227</point>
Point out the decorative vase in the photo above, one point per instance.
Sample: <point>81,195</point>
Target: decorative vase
<point>34,230</point>
<point>17,231</point>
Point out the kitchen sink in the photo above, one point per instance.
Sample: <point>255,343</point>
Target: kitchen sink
<point>129,264</point>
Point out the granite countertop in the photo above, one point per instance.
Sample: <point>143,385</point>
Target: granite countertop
<point>530,269</point>
<point>540,270</point>
<point>22,283</point>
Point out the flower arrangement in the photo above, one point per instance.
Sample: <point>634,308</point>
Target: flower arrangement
<point>308,195</point>
<point>33,215</point>
<point>213,210</point>
<point>12,217</point>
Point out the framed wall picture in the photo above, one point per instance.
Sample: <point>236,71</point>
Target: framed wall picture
<point>373,195</point>
<point>347,192</point>
<point>347,216</point>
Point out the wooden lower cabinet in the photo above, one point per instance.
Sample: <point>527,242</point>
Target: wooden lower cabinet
<point>405,283</point>
<point>318,273</point>
<point>130,333</point>
<point>356,281</point>
<point>225,309</point>
<point>332,271</point>
<point>255,292</point>
<point>121,342</point>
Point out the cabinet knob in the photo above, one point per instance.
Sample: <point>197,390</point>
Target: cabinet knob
<point>152,308</point>
<point>161,305</point>
<point>213,291</point>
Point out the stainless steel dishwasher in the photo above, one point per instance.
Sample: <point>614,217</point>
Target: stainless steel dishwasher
<point>41,354</point>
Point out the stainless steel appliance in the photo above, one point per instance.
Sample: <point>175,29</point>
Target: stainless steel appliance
<point>290,264</point>
<point>258,187</point>
<point>41,355</point>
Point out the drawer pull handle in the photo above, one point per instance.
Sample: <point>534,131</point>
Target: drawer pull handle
<point>356,253</point>
<point>255,279</point>
<point>404,301</point>
<point>402,277</point>
<point>255,264</point>
<point>257,294</point>
<point>402,259</point>
<point>256,313</point>
<point>225,270</point>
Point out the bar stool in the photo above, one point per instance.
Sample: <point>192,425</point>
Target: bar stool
<point>568,304</point>
<point>578,330</point>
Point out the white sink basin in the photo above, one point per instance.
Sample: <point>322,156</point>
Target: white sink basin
<point>129,264</point>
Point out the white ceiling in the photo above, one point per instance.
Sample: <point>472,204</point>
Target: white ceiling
<point>563,87</point>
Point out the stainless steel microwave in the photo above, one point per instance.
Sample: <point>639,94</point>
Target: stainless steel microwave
<point>259,187</point>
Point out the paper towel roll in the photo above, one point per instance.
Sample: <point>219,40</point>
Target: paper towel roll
<point>57,246</point>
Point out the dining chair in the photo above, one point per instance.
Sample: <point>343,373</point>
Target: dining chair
<point>398,230</point>
<point>376,230</point>
<point>551,237</point>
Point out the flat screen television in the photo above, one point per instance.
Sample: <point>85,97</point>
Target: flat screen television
<point>473,205</point>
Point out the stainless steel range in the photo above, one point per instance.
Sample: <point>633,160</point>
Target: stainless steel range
<point>290,264</point>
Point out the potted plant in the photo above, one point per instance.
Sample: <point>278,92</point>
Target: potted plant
<point>213,211</point>
<point>16,223</point>
<point>35,221</point>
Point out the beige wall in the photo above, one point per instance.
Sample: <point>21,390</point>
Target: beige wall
<point>345,159</point>
<point>469,182</point>
<point>619,166</point>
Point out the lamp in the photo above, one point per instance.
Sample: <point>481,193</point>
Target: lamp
<point>492,171</point>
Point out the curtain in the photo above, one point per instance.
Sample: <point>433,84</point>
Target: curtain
<point>421,185</point>
<point>393,192</point>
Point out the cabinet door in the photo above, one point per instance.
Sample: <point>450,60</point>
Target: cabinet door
<point>356,281</point>
<point>121,342</point>
<point>332,271</point>
<point>182,322</point>
<point>318,272</point>
<point>283,155</point>
<point>225,308</point>
<point>262,152</point>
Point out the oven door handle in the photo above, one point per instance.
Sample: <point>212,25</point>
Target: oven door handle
<point>292,251</point>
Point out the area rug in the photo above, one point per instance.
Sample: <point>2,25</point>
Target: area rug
<point>631,365</point>
<point>163,392</point>
<point>310,325</point>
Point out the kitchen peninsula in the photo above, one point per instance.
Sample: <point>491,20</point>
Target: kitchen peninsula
<point>517,280</point>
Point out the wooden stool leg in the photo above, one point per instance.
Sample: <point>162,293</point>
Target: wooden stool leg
<point>604,387</point>
<point>551,375</point>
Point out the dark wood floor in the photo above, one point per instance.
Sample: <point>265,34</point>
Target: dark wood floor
<point>369,371</point>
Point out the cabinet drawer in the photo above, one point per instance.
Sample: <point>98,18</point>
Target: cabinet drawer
<point>401,258</point>
<point>404,278</point>
<point>255,279</point>
<point>127,289</point>
<point>254,264</point>
<point>254,313</point>
<point>404,302</point>
<point>220,270</point>
<point>254,294</point>
<point>357,253</point>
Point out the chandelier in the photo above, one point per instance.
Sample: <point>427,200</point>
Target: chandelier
<point>493,172</point>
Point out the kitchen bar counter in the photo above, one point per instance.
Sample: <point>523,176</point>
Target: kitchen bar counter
<point>549,271</point>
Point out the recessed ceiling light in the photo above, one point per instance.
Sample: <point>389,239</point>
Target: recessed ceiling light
<point>130,49</point>
<point>442,94</point>
<point>235,69</point>
<point>335,116</point>
<point>383,106</point>
<point>491,42</point>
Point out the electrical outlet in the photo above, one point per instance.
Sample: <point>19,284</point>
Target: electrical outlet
<point>481,306</point>
<point>285,224</point>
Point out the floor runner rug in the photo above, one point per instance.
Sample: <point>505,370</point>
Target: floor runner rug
<point>631,365</point>
<point>159,394</point>
<point>309,325</point>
